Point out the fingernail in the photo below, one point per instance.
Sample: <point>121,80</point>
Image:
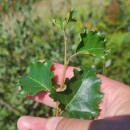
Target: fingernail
<point>53,122</point>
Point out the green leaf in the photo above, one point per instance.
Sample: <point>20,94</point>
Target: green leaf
<point>92,43</point>
<point>63,22</point>
<point>70,16</point>
<point>60,23</point>
<point>38,79</point>
<point>82,95</point>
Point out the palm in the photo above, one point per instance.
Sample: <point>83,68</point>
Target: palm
<point>116,101</point>
<point>115,94</point>
<point>116,98</point>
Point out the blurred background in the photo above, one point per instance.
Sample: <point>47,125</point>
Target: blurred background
<point>27,34</point>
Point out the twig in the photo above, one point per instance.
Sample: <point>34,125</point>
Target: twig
<point>64,70</point>
<point>57,109</point>
<point>72,56</point>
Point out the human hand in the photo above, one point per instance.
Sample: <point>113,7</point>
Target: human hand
<point>116,102</point>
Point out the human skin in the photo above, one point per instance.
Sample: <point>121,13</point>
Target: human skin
<point>116,102</point>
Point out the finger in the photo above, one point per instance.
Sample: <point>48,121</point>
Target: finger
<point>58,70</point>
<point>55,123</point>
<point>36,123</point>
<point>43,97</point>
<point>109,83</point>
<point>111,89</point>
<point>107,89</point>
<point>67,124</point>
<point>31,123</point>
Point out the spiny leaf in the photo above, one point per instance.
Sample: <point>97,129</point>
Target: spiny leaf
<point>38,79</point>
<point>92,43</point>
<point>82,95</point>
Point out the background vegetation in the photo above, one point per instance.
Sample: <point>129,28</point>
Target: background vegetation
<point>27,34</point>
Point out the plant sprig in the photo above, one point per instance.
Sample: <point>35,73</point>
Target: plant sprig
<point>79,96</point>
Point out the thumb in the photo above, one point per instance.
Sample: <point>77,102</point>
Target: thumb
<point>59,123</point>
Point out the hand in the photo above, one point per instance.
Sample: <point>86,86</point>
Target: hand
<point>116,101</point>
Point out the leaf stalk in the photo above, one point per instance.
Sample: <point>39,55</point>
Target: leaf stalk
<point>65,59</point>
<point>57,109</point>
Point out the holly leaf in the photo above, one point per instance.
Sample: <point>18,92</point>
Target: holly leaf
<point>82,95</point>
<point>38,79</point>
<point>91,43</point>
